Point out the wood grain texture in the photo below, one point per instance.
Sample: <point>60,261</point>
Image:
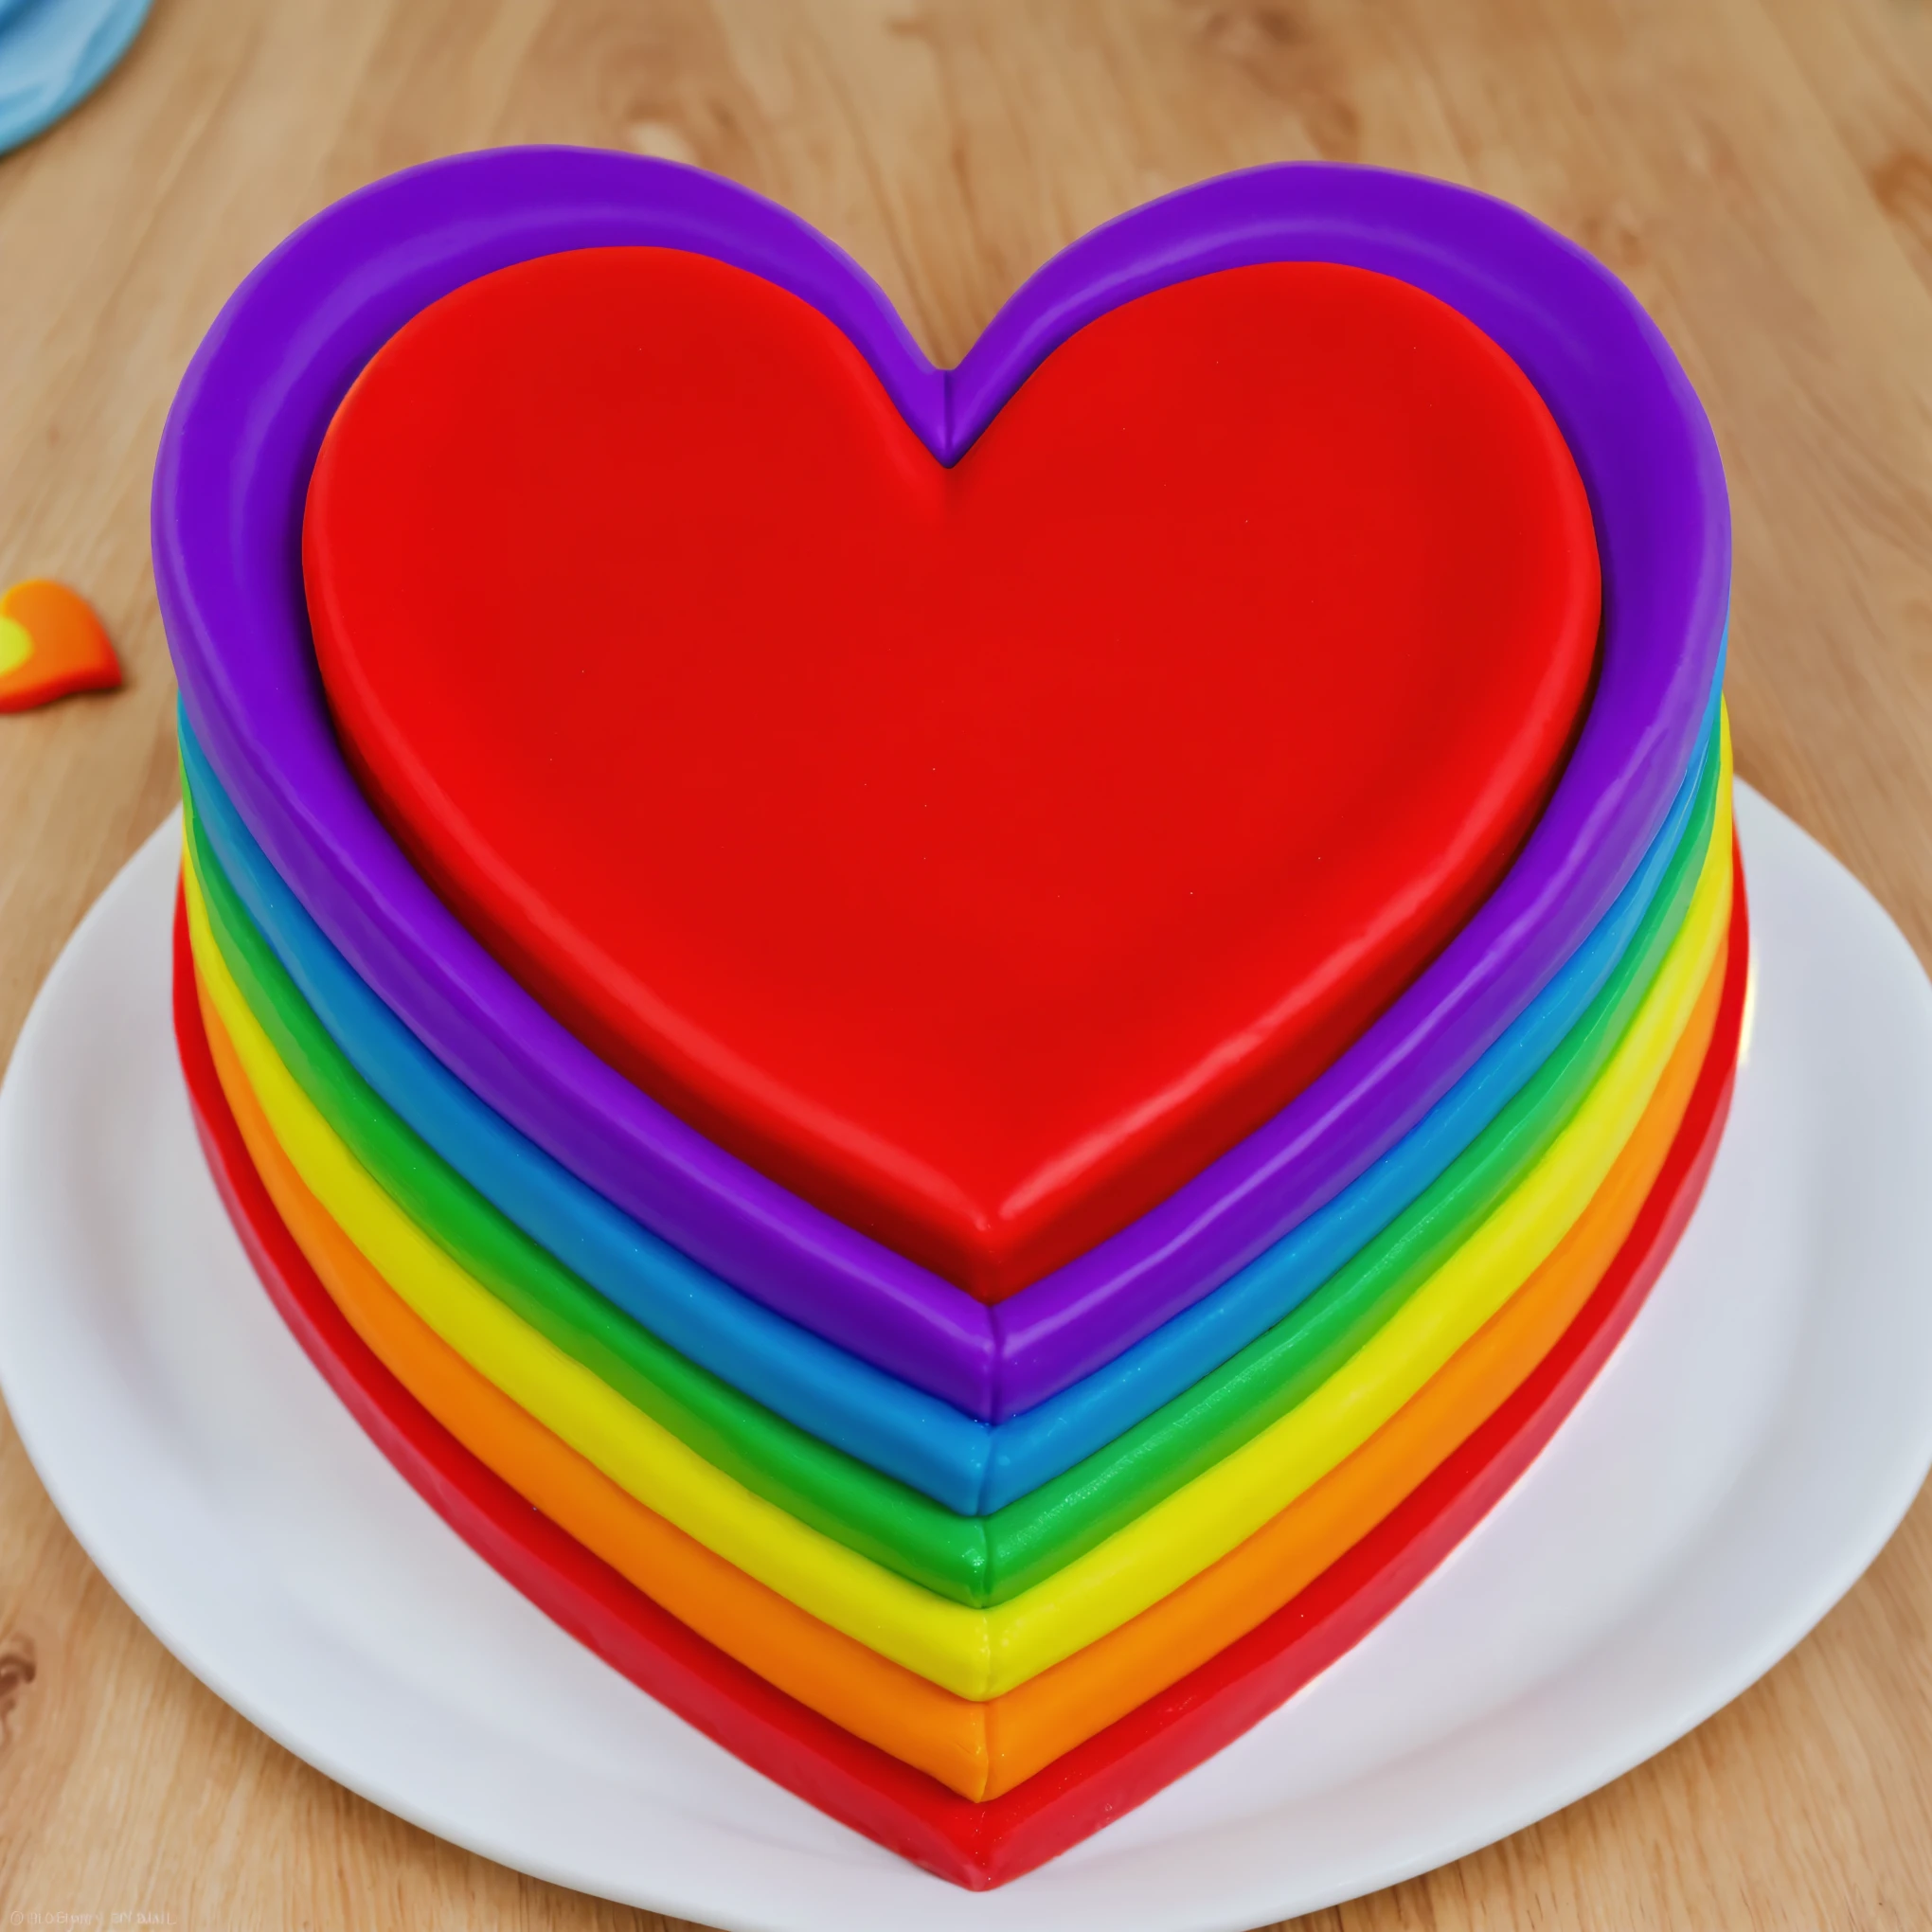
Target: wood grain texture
<point>1758,171</point>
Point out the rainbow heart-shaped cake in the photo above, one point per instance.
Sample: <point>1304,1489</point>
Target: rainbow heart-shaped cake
<point>962,1058</point>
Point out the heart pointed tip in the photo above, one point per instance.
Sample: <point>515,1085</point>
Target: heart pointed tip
<point>51,644</point>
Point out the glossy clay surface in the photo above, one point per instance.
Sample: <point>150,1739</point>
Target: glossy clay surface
<point>978,850</point>
<point>983,1748</point>
<point>236,461</point>
<point>974,1844</point>
<point>966,1465</point>
<point>978,1559</point>
<point>981,1653</point>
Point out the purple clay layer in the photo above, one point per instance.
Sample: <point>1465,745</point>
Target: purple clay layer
<point>228,497</point>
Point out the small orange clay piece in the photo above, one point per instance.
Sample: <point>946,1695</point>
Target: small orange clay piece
<point>51,643</point>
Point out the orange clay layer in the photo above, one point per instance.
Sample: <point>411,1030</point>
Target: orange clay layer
<point>982,1750</point>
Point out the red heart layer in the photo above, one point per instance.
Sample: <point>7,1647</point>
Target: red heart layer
<point>979,851</point>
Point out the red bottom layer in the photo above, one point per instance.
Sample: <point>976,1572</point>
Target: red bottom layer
<point>973,1845</point>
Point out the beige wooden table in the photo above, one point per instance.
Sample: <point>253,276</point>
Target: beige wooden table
<point>1758,171</point>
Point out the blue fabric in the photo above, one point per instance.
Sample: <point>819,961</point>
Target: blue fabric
<point>970,1466</point>
<point>54,54</point>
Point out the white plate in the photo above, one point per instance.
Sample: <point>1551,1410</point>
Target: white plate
<point>1742,1457</point>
